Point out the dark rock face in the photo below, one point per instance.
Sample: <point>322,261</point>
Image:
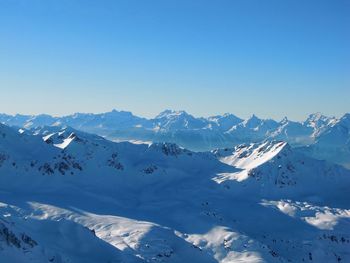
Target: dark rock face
<point>11,239</point>
<point>114,162</point>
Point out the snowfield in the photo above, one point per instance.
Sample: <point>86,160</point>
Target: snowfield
<point>69,196</point>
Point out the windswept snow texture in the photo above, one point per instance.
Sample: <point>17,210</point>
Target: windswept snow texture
<point>321,137</point>
<point>68,196</point>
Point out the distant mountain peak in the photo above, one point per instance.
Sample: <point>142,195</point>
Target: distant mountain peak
<point>252,121</point>
<point>318,121</point>
<point>116,113</point>
<point>316,117</point>
<point>172,113</point>
<point>226,116</point>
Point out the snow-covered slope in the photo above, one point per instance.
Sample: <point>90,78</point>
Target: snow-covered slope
<point>26,239</point>
<point>82,198</point>
<point>274,168</point>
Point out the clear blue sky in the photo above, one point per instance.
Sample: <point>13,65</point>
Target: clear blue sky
<point>272,58</point>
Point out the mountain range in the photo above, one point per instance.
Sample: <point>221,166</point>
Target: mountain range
<point>318,136</point>
<point>71,196</point>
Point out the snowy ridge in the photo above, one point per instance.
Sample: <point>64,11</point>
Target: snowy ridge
<point>251,155</point>
<point>274,167</point>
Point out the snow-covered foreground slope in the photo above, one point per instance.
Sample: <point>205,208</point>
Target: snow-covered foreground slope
<point>80,198</point>
<point>23,238</point>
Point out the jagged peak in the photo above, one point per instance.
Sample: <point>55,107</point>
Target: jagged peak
<point>252,121</point>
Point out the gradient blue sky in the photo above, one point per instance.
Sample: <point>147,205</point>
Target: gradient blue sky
<point>272,58</point>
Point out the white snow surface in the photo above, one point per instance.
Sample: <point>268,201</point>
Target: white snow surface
<point>68,196</point>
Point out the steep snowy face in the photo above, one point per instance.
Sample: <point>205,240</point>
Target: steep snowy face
<point>247,157</point>
<point>271,166</point>
<point>251,155</point>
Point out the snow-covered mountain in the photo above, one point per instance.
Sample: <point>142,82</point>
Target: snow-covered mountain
<point>253,129</point>
<point>333,143</point>
<point>69,196</point>
<point>224,122</point>
<point>170,120</point>
<point>203,134</point>
<point>296,133</point>
<point>275,167</point>
<point>319,123</point>
<point>15,120</point>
